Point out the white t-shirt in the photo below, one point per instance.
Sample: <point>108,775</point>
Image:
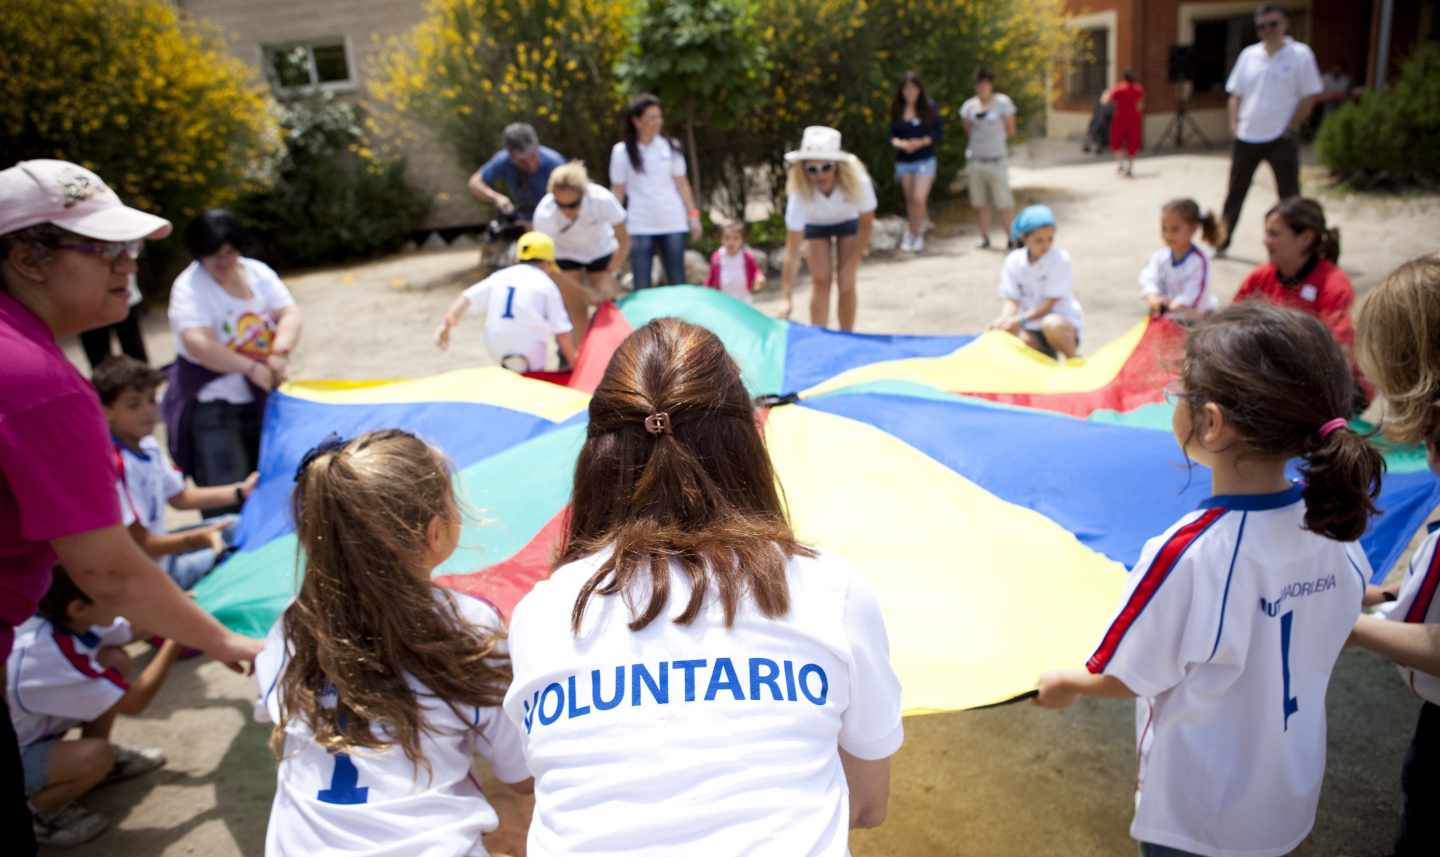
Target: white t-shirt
<point>673,738</point>
<point>654,202</point>
<point>1270,88</point>
<point>145,484</point>
<point>733,281</point>
<point>1417,602</point>
<point>376,802</point>
<point>591,235</point>
<point>522,308</point>
<point>1187,280</point>
<point>53,681</point>
<point>1031,285</point>
<point>1228,631</point>
<point>246,326</point>
<point>819,209</point>
<point>988,133</point>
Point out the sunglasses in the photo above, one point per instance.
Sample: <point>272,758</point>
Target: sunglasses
<point>570,206</point>
<point>107,250</point>
<point>1267,26</point>
<point>817,169</point>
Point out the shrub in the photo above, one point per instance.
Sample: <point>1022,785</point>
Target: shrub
<point>1387,138</point>
<point>169,120</point>
<point>473,66</point>
<point>332,198</point>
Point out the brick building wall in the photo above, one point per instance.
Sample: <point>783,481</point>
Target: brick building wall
<point>361,26</point>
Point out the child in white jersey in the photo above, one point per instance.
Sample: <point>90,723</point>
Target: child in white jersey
<point>1233,618</point>
<point>380,684</point>
<point>523,308</point>
<point>1176,280</point>
<point>732,267</point>
<point>1038,288</point>
<point>1398,346</point>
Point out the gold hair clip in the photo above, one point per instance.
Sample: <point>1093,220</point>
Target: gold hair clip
<point>658,423</point>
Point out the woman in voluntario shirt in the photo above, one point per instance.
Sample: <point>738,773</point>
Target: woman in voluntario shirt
<point>67,249</point>
<point>831,209</point>
<point>915,133</point>
<point>647,172</point>
<point>692,679</point>
<point>235,325</point>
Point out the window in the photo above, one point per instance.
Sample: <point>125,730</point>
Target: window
<point>1219,41</point>
<point>1089,74</point>
<point>322,64</point>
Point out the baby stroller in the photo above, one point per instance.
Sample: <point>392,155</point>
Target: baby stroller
<point>1097,136</point>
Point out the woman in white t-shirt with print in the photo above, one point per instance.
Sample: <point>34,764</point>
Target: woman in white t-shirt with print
<point>647,173</point>
<point>235,325</point>
<point>691,679</point>
<point>831,209</point>
<point>587,224</point>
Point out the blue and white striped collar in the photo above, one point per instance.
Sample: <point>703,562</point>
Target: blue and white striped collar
<point>1256,502</point>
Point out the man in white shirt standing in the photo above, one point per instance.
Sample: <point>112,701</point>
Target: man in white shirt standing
<point>1272,91</point>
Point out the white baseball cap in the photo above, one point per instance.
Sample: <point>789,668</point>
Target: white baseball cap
<point>71,197</point>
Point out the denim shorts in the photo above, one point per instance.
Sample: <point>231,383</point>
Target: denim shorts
<point>35,762</point>
<point>818,232</point>
<point>927,167</point>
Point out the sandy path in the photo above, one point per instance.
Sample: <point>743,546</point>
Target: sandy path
<point>1016,781</point>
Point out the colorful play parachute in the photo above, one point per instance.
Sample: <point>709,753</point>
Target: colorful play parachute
<point>992,499</point>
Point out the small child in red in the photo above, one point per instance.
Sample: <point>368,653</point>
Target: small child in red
<point>733,269</point>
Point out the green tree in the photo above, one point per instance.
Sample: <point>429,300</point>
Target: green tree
<point>704,59</point>
<point>1387,138</point>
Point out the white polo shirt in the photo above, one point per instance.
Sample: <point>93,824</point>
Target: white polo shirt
<point>1186,281</point>
<point>146,482</point>
<point>698,738</point>
<point>523,310</point>
<point>376,802</point>
<point>591,235</point>
<point>821,209</point>
<point>655,205</point>
<point>53,681</point>
<point>1030,285</point>
<point>1228,631</point>
<point>1417,602</point>
<point>1270,88</point>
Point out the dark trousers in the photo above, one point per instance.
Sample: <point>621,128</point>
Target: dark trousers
<point>14,809</point>
<point>226,439</point>
<point>97,341</point>
<point>1420,788</point>
<point>1283,155</point>
<point>671,248</point>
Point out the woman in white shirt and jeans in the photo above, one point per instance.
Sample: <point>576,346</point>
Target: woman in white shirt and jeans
<point>647,172</point>
<point>692,679</point>
<point>831,204</point>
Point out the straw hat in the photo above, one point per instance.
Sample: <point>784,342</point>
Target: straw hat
<point>820,143</point>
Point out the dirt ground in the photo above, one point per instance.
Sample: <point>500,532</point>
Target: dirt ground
<point>1011,781</point>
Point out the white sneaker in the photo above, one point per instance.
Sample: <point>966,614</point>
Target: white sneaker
<point>69,826</point>
<point>905,242</point>
<point>133,762</point>
<point>918,244</point>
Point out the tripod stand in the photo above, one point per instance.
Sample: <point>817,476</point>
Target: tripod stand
<point>1174,133</point>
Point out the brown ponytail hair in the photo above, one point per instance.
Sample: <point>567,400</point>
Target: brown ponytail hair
<point>1278,375</point>
<point>1303,214</point>
<point>365,621</point>
<point>1397,341</point>
<point>1212,230</point>
<point>699,491</point>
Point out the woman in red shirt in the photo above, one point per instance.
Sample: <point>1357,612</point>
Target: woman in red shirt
<point>1304,273</point>
<point>1125,131</point>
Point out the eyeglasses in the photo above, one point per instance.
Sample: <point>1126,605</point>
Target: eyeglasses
<point>570,206</point>
<point>817,169</point>
<point>1174,393</point>
<point>107,250</point>
<point>1267,26</point>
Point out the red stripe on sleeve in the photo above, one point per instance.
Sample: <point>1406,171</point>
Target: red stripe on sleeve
<point>1155,575</point>
<point>80,661</point>
<point>1420,607</point>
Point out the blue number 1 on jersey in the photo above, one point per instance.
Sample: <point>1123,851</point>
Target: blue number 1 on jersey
<point>344,784</point>
<point>1292,704</point>
<point>509,304</point>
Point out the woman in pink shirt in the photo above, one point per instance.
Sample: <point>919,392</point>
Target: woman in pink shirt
<point>67,249</point>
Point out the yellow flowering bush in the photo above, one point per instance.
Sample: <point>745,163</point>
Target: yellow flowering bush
<point>152,104</point>
<point>474,66</point>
